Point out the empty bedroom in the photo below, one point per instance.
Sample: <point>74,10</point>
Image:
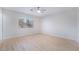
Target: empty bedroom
<point>39,29</point>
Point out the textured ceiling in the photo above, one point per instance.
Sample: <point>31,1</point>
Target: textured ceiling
<point>49,10</point>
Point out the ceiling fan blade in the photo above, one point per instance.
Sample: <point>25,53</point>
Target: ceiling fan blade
<point>43,10</point>
<point>31,9</point>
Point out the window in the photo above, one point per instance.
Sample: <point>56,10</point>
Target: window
<point>26,22</point>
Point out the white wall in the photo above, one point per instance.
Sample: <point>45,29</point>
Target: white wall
<point>0,23</point>
<point>63,24</point>
<point>11,27</point>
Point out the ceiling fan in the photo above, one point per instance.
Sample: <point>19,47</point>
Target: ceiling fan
<point>38,9</point>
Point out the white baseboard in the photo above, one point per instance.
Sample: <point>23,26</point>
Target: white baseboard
<point>40,33</point>
<point>59,36</point>
<point>16,36</point>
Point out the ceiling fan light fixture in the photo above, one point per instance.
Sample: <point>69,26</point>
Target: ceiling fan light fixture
<point>38,11</point>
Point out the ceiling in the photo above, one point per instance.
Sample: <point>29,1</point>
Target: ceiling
<point>49,10</point>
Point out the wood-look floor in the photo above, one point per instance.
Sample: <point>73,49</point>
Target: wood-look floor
<point>39,42</point>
